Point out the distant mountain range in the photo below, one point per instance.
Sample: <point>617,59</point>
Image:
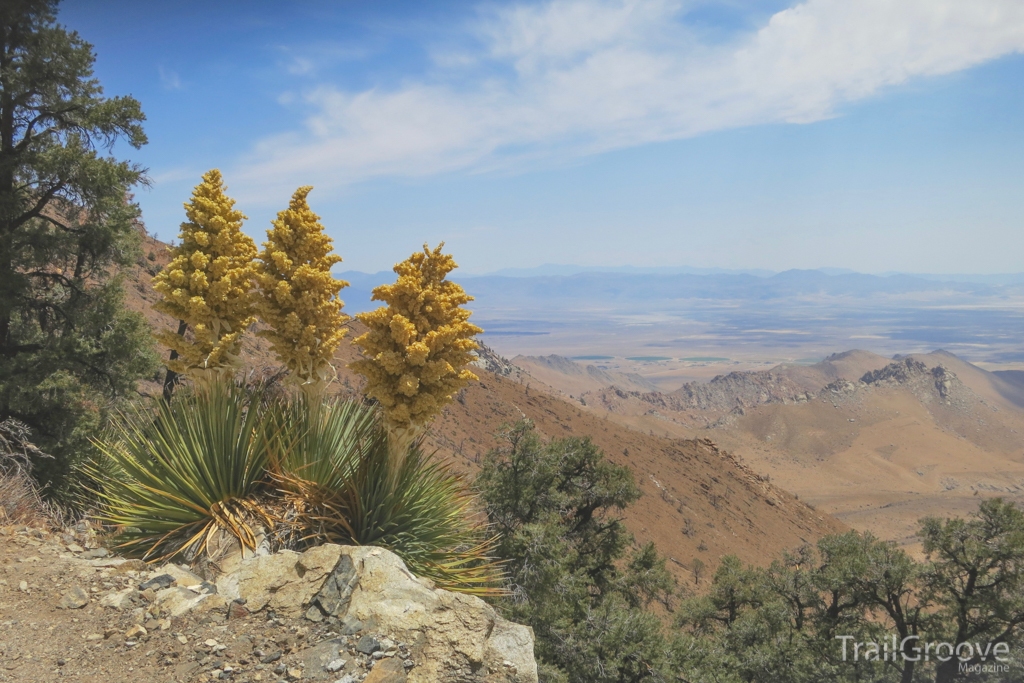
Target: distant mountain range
<point>545,286</point>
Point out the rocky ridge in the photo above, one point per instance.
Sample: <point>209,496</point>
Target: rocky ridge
<point>736,392</point>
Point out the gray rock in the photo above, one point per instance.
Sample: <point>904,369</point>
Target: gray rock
<point>157,582</point>
<point>335,665</point>
<point>336,592</point>
<point>94,554</point>
<point>367,645</point>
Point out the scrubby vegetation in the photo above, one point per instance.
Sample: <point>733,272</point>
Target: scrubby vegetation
<point>573,573</point>
<point>605,610</point>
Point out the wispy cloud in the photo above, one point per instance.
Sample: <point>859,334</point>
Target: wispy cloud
<point>169,79</point>
<point>574,77</point>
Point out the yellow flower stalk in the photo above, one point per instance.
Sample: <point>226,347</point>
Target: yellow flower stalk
<point>296,294</point>
<point>206,285</point>
<point>419,344</point>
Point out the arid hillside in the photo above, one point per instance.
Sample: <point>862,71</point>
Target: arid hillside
<point>877,442</point>
<point>566,376</point>
<point>699,501</point>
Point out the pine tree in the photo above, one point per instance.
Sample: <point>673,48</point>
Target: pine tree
<point>68,349</point>
<point>296,294</point>
<point>419,344</point>
<point>207,284</point>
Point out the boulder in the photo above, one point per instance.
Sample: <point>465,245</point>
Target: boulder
<point>452,636</point>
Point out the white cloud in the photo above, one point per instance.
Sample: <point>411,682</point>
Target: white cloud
<point>169,79</point>
<point>570,78</point>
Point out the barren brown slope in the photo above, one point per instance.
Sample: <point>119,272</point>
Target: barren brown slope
<point>568,377</point>
<point>927,435</point>
<point>698,500</point>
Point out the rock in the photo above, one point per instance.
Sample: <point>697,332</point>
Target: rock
<point>284,582</point>
<point>321,654</point>
<point>122,599</point>
<point>157,582</point>
<point>453,632</point>
<point>94,554</point>
<point>333,597</point>
<point>367,645</point>
<point>135,632</point>
<point>75,548</point>
<point>294,674</point>
<point>347,678</point>
<point>23,586</point>
<point>387,671</point>
<point>431,634</point>
<point>76,598</point>
<point>237,610</point>
<point>177,601</point>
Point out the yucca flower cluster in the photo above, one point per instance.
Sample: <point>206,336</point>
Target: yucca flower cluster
<point>296,295</point>
<point>206,285</point>
<point>419,344</point>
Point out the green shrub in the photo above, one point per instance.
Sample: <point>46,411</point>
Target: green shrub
<point>331,461</point>
<point>223,457</point>
<point>172,477</point>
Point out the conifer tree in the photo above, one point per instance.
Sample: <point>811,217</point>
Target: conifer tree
<point>207,283</point>
<point>69,350</point>
<point>296,294</point>
<point>419,344</point>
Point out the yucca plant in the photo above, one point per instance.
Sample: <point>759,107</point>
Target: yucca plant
<point>170,478</point>
<point>332,463</point>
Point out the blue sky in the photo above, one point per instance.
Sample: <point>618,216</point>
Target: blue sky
<point>876,135</point>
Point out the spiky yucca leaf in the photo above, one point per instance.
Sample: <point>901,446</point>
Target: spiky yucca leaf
<point>172,477</point>
<point>339,478</point>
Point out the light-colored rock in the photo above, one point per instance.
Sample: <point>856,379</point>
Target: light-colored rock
<point>454,634</point>
<point>122,599</point>
<point>284,582</point>
<point>177,600</point>
<point>450,636</point>
<point>76,598</point>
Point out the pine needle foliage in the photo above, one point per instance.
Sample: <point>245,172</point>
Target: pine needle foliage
<point>174,478</point>
<point>69,349</point>
<point>419,344</point>
<point>296,294</point>
<point>206,285</point>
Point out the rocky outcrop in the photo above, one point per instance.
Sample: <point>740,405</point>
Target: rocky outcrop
<point>488,359</point>
<point>924,382</point>
<point>328,615</point>
<point>453,637</point>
